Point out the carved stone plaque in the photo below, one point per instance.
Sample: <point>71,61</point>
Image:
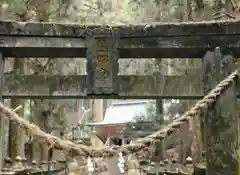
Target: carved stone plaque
<point>102,65</point>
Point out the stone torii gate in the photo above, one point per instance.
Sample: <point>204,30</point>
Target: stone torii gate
<point>103,46</point>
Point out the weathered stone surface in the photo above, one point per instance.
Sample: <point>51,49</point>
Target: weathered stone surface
<point>29,52</point>
<point>16,133</point>
<point>196,145</point>
<point>200,169</point>
<point>102,65</point>
<point>159,47</point>
<point>190,42</point>
<point>222,125</point>
<point>211,65</point>
<point>153,29</point>
<point>74,86</point>
<point>185,141</point>
<point>2,147</point>
<point>184,40</point>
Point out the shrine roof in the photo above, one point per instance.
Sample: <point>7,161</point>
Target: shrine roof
<point>123,113</point>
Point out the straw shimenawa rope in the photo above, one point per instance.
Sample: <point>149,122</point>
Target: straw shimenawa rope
<point>78,149</point>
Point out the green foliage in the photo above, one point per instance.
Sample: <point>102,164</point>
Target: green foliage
<point>145,124</point>
<point>151,111</point>
<point>151,115</point>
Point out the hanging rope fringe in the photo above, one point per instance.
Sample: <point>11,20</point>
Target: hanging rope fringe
<point>78,149</point>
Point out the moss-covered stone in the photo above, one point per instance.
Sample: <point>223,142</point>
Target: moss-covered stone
<point>221,125</point>
<point>1,118</point>
<point>16,143</point>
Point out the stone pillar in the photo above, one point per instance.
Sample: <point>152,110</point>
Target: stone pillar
<point>16,140</point>
<point>221,120</point>
<point>2,133</point>
<point>160,144</point>
<point>211,75</point>
<point>16,134</point>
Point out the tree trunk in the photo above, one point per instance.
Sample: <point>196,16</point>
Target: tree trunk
<point>199,10</point>
<point>98,116</point>
<point>228,6</point>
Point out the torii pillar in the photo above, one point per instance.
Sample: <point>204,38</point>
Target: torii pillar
<point>2,133</point>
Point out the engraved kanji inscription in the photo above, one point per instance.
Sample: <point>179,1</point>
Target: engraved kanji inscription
<point>102,59</point>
